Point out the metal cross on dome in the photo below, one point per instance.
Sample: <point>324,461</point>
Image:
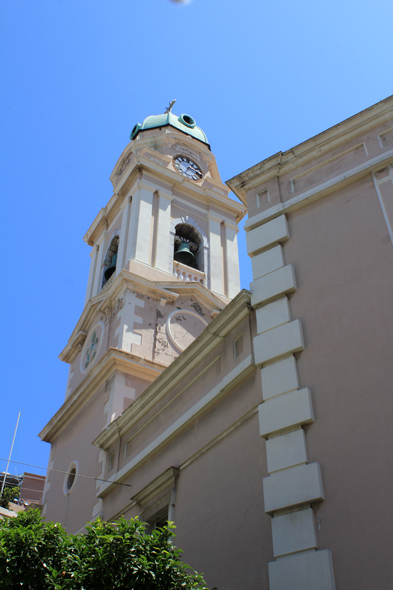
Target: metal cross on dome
<point>168,110</point>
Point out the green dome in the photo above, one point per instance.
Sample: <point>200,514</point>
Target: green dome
<point>185,123</point>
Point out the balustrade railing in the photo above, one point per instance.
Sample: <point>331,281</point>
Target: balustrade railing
<point>186,273</point>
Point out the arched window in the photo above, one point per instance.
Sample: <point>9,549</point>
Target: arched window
<point>188,246</point>
<point>109,265</point>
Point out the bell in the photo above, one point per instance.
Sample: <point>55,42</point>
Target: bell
<point>111,269</point>
<point>184,255</point>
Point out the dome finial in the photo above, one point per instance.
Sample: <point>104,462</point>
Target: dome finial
<point>170,106</point>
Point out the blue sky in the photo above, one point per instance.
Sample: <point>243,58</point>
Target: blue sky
<point>258,77</point>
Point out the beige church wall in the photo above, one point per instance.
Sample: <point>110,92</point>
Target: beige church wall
<point>217,493</point>
<point>343,258</point>
<point>221,524</point>
<point>74,444</point>
<point>217,421</point>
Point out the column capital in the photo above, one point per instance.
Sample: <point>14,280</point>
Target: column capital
<point>165,194</point>
<point>213,217</point>
<point>146,185</point>
<point>231,225</point>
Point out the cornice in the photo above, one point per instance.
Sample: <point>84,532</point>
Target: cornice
<point>213,334</point>
<point>283,162</point>
<point>320,191</point>
<point>160,483</point>
<point>205,296</point>
<point>112,360</point>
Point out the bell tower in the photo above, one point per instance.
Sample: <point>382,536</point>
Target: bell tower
<point>169,211</point>
<point>164,263</point>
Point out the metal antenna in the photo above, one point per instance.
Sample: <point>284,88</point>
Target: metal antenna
<point>9,458</point>
<point>170,106</point>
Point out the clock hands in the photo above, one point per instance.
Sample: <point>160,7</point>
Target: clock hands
<point>193,170</point>
<point>188,168</point>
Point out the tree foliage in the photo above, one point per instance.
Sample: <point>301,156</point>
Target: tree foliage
<point>39,555</point>
<point>9,494</point>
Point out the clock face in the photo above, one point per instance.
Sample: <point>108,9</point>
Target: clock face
<point>187,167</point>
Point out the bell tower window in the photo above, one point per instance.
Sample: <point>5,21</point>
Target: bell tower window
<point>110,261</point>
<point>188,246</point>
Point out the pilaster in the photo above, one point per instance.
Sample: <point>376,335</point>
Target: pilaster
<point>98,266</point>
<point>164,249</point>
<point>293,484</point>
<point>232,260</point>
<point>139,240</point>
<point>216,258</point>
<point>124,235</point>
<point>92,271</point>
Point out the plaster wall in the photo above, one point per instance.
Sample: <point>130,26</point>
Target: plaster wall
<point>219,489</point>
<point>221,525</point>
<point>343,258</point>
<point>74,444</point>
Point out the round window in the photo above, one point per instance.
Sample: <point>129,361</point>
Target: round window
<point>70,478</point>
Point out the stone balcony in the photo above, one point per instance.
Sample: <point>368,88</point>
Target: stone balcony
<point>186,273</point>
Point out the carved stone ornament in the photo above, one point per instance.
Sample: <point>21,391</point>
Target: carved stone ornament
<point>123,166</point>
<point>182,327</point>
<point>92,346</point>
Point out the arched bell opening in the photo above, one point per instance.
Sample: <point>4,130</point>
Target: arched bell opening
<point>109,266</point>
<point>188,246</point>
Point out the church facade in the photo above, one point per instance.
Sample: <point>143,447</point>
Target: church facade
<point>258,421</point>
